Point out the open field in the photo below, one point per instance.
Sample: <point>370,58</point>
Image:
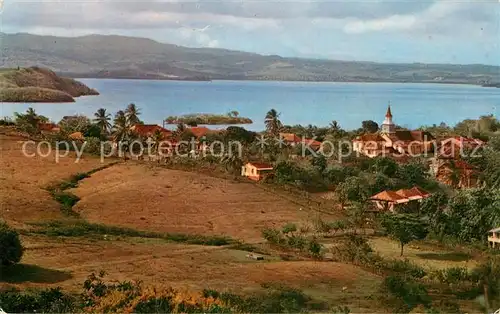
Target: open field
<point>166,200</point>
<point>187,267</point>
<point>162,200</point>
<point>23,180</point>
<point>424,254</point>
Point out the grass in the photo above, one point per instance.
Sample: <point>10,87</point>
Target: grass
<point>32,273</point>
<point>68,199</point>
<point>85,229</point>
<point>449,256</point>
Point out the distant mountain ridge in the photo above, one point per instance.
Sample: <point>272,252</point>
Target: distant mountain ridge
<point>113,56</point>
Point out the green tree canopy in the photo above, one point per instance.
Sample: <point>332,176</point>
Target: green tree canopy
<point>404,228</point>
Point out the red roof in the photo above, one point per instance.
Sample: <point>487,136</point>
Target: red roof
<point>48,126</point>
<point>261,165</point>
<point>292,138</point>
<point>401,196</point>
<point>388,196</point>
<point>199,131</point>
<point>149,129</point>
<point>389,113</point>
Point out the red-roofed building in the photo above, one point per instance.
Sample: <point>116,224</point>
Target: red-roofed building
<point>147,130</point>
<point>256,170</point>
<point>293,140</point>
<point>391,142</point>
<point>455,172</point>
<point>455,147</point>
<point>48,127</point>
<point>391,200</point>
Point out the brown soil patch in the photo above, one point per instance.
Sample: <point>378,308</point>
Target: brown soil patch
<point>23,179</point>
<point>166,200</point>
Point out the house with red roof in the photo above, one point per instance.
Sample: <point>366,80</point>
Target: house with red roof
<point>455,172</point>
<point>145,131</point>
<point>456,146</point>
<point>294,140</point>
<point>392,200</point>
<point>256,170</point>
<point>48,127</point>
<point>391,142</point>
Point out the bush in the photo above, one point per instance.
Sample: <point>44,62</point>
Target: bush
<point>45,301</point>
<point>11,249</point>
<point>410,292</point>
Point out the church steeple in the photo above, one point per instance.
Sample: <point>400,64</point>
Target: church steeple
<point>388,126</point>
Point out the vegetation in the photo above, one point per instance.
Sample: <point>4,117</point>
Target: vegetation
<point>104,297</point>
<point>11,249</point>
<point>80,228</point>
<point>39,85</point>
<point>195,119</point>
<point>404,228</point>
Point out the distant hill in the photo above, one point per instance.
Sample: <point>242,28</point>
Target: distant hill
<point>36,84</point>
<point>113,56</point>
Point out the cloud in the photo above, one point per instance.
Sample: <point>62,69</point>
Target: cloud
<point>393,23</point>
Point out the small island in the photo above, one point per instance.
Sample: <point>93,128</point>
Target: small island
<point>37,84</point>
<point>231,117</point>
<point>497,85</point>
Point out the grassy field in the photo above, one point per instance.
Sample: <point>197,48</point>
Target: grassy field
<point>127,210</point>
<point>424,254</point>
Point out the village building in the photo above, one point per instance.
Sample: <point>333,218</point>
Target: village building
<point>456,173</point>
<point>394,200</point>
<point>391,142</point>
<point>494,238</point>
<point>48,127</point>
<point>457,146</point>
<point>294,140</point>
<point>145,131</point>
<point>256,170</point>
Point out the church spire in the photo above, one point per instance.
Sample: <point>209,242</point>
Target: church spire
<point>388,126</point>
<point>389,113</point>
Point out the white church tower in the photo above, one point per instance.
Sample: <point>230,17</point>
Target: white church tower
<point>388,127</point>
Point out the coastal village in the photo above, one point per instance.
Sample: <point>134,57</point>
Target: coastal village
<point>381,200</point>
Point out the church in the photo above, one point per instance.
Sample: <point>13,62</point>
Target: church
<point>390,142</point>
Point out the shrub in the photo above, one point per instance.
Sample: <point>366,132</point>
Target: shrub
<point>46,301</point>
<point>11,249</point>
<point>408,291</point>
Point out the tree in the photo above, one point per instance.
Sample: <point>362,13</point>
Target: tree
<point>404,228</point>
<point>487,275</point>
<point>233,113</point>
<point>156,138</point>
<point>76,123</point>
<point>369,126</point>
<point>11,249</point>
<point>29,122</point>
<point>232,163</point>
<point>413,174</point>
<point>132,114</point>
<point>121,129</point>
<point>273,123</point>
<point>319,163</point>
<point>385,166</point>
<point>239,134</point>
<point>102,120</point>
<point>353,189</point>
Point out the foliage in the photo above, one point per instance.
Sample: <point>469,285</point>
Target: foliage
<point>385,166</point>
<point>51,300</point>
<point>84,229</point>
<point>288,237</point>
<point>11,249</point>
<point>29,121</point>
<point>413,174</point>
<point>132,115</point>
<point>101,119</point>
<point>404,228</point>
<point>273,123</point>
<point>77,123</point>
<point>239,134</point>
<point>369,126</point>
<point>407,290</point>
<point>208,119</point>
<point>353,189</point>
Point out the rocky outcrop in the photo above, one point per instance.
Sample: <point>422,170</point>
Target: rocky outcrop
<point>37,84</point>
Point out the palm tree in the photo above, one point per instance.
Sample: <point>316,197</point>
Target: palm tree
<point>273,123</point>
<point>102,120</point>
<point>120,127</point>
<point>132,114</point>
<point>181,128</point>
<point>156,138</point>
<point>334,126</point>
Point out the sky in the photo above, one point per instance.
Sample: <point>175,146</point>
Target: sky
<point>430,31</point>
